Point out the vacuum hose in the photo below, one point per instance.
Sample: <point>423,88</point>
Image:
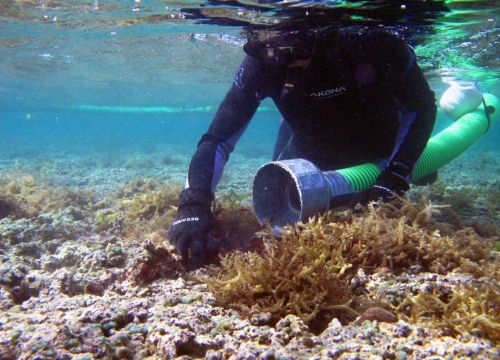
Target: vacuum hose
<point>288,191</point>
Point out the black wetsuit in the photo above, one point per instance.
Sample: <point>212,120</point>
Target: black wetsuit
<point>361,98</point>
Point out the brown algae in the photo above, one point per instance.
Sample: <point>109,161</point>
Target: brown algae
<point>308,271</point>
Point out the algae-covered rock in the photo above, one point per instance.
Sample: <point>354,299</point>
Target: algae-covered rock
<point>154,262</point>
<point>292,325</point>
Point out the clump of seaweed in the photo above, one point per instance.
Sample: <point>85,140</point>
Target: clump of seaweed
<point>307,271</point>
<point>106,219</point>
<point>235,222</point>
<point>150,199</point>
<point>300,274</point>
<point>469,310</point>
<point>25,197</point>
<point>146,206</point>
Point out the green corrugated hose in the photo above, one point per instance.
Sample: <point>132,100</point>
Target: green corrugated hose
<point>441,148</point>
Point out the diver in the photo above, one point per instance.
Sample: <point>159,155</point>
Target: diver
<point>347,96</point>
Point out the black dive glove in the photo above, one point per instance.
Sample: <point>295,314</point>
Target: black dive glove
<point>388,186</point>
<point>191,231</point>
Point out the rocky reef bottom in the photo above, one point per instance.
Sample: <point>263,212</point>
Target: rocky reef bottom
<point>85,272</point>
<point>178,319</point>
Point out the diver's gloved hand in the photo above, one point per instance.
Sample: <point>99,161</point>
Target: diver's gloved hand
<point>191,231</point>
<point>389,185</point>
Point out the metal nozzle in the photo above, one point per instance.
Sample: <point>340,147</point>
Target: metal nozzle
<point>288,191</point>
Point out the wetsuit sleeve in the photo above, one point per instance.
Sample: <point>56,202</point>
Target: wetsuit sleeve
<point>231,119</point>
<point>417,114</point>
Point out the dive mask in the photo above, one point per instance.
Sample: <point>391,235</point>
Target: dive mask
<point>282,49</point>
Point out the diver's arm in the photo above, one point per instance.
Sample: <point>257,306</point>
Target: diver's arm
<point>192,230</point>
<point>418,115</point>
<point>418,110</point>
<point>231,119</point>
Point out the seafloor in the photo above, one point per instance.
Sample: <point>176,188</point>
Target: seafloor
<point>85,272</point>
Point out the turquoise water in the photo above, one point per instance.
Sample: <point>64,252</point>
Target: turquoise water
<point>118,79</point>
